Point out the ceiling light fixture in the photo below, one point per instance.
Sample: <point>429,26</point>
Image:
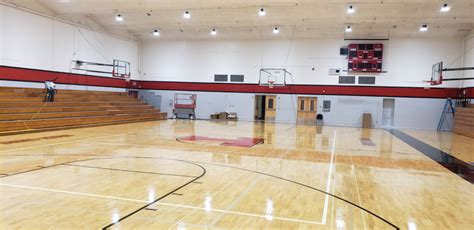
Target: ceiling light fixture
<point>156,32</point>
<point>350,9</point>
<point>262,12</point>
<point>445,8</point>
<point>213,31</point>
<point>424,28</point>
<point>276,30</point>
<point>187,14</point>
<point>348,29</point>
<point>119,17</point>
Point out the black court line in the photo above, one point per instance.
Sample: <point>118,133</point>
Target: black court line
<point>453,164</point>
<point>307,186</point>
<point>162,197</point>
<point>132,171</point>
<point>194,181</point>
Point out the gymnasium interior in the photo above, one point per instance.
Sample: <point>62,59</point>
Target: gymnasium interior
<point>237,114</point>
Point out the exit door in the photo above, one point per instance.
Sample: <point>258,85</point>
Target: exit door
<point>388,112</point>
<point>307,110</point>
<point>265,107</point>
<point>270,108</point>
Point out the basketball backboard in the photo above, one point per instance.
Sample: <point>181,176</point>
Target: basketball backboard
<point>121,69</point>
<point>273,77</point>
<point>437,74</point>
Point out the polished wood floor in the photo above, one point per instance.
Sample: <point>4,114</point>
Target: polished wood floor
<point>139,176</point>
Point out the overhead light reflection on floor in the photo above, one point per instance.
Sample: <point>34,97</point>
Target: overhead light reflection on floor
<point>207,203</point>
<point>151,194</point>
<point>411,224</point>
<point>115,216</point>
<point>269,209</point>
<point>340,223</point>
<point>181,226</point>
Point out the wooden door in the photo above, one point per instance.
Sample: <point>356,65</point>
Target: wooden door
<point>307,110</point>
<point>270,108</point>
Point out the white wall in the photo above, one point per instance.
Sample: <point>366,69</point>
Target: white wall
<point>33,41</point>
<point>468,59</point>
<point>212,102</point>
<point>407,60</point>
<point>415,113</point>
<point>418,113</point>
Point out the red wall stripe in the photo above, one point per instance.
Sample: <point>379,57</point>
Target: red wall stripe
<point>34,75</point>
<point>303,89</point>
<point>469,92</point>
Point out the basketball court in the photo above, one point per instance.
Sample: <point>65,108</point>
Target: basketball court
<point>171,115</point>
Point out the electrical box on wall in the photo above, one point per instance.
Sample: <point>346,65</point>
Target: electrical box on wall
<point>343,51</point>
<point>365,58</point>
<point>335,71</point>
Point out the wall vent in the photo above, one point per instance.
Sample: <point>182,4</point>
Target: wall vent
<point>366,80</point>
<point>346,79</point>
<point>221,77</point>
<point>236,78</point>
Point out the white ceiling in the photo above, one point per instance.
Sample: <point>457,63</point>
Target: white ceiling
<point>238,19</point>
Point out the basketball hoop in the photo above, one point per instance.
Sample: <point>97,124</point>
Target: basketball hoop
<point>270,83</point>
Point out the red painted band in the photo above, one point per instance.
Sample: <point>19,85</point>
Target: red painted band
<point>34,75</point>
<point>379,91</point>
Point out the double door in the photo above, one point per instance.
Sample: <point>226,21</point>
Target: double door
<point>307,109</point>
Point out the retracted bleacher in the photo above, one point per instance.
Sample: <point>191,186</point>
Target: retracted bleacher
<point>24,109</point>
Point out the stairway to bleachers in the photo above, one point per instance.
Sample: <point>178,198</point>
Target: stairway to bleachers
<point>464,121</point>
<point>24,110</point>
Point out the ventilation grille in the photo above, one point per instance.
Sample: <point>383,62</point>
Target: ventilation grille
<point>346,80</point>
<point>237,78</point>
<point>220,77</point>
<point>367,80</point>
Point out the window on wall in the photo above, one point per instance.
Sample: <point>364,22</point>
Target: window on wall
<point>302,105</point>
<point>311,105</point>
<point>270,103</point>
<point>236,78</point>
<point>221,77</point>
<point>326,106</point>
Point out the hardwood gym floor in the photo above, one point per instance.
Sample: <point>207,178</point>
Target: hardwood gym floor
<point>200,174</point>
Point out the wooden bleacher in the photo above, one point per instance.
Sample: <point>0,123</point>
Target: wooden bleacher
<point>24,110</point>
<point>464,121</point>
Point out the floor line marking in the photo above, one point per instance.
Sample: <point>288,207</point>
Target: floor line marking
<point>250,187</point>
<point>214,194</point>
<point>328,183</point>
<point>334,192</point>
<point>127,170</point>
<point>159,203</point>
<point>356,182</point>
<point>72,193</point>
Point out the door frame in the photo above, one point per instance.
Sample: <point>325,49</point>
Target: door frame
<point>264,106</point>
<point>305,116</point>
<point>392,113</point>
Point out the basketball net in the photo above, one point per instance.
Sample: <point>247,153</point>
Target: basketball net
<point>270,84</point>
